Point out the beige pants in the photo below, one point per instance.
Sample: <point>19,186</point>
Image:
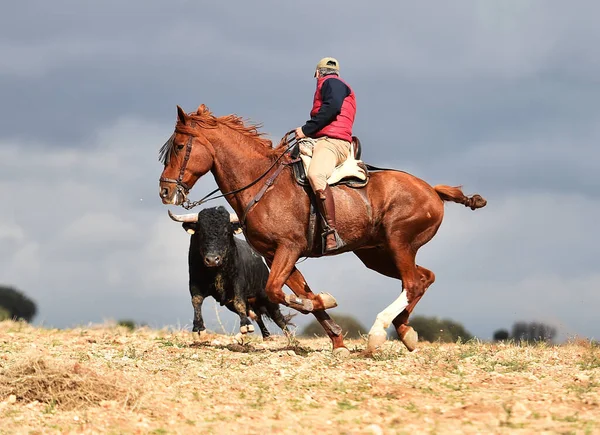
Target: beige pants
<point>327,154</point>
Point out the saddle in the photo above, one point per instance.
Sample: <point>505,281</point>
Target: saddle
<point>352,172</point>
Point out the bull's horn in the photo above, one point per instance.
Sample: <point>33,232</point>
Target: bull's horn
<point>233,218</point>
<point>191,217</point>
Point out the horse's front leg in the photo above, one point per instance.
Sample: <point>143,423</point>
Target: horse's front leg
<point>281,266</point>
<point>299,286</point>
<point>305,300</point>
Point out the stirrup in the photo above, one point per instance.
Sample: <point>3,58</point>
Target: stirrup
<point>338,241</point>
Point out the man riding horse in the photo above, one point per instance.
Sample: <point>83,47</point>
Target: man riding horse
<point>332,117</point>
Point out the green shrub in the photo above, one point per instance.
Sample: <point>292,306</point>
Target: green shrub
<point>501,335</point>
<point>129,324</point>
<point>17,304</point>
<point>4,314</point>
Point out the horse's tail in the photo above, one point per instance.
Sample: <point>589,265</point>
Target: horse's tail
<point>455,194</point>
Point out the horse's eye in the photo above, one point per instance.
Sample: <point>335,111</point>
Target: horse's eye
<point>179,147</point>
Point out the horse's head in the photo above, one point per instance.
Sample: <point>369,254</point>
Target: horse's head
<point>187,156</point>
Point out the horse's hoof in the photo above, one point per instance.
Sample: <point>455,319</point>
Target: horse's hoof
<point>243,329</point>
<point>250,328</point>
<point>376,340</point>
<point>328,301</point>
<point>410,339</point>
<point>341,352</point>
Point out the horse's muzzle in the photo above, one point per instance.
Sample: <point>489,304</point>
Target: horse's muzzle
<point>170,195</point>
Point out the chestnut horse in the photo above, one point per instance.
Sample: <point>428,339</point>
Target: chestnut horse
<point>383,223</point>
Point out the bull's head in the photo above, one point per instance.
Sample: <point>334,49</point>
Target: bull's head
<point>212,232</point>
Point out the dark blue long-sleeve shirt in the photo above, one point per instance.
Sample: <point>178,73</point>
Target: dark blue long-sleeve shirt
<point>333,93</point>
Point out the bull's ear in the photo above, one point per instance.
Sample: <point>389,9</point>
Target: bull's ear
<point>189,227</point>
<point>237,228</point>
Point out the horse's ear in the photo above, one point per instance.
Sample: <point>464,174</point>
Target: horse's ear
<point>181,115</point>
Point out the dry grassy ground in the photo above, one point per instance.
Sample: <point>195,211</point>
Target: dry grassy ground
<point>111,380</point>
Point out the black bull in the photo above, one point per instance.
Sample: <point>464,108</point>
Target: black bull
<point>226,268</point>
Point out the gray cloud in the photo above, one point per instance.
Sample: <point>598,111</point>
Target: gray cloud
<point>501,98</point>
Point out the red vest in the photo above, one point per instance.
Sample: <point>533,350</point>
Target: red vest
<point>341,126</point>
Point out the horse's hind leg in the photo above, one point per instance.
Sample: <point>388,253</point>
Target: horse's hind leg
<point>398,261</point>
<point>406,333</point>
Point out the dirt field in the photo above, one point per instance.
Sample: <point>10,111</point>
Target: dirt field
<point>111,380</point>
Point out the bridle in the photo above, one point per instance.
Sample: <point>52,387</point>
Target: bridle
<point>184,189</point>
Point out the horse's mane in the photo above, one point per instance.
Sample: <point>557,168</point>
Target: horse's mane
<point>204,118</point>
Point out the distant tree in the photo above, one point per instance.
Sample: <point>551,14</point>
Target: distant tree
<point>351,327</point>
<point>501,334</point>
<point>129,324</point>
<point>433,329</point>
<point>17,304</point>
<point>4,314</point>
<point>532,332</point>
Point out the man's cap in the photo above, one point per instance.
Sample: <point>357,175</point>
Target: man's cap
<point>328,62</point>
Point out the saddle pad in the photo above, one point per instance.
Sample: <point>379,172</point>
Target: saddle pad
<point>351,171</point>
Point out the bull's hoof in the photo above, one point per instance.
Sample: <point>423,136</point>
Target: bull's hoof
<point>246,329</point>
<point>341,352</point>
<point>410,339</point>
<point>328,301</point>
<point>376,340</point>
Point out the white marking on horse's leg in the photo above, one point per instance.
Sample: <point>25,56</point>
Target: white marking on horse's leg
<point>377,334</point>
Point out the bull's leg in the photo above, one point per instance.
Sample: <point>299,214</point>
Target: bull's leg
<point>263,329</point>
<point>405,332</point>
<point>197,300</point>
<point>241,308</point>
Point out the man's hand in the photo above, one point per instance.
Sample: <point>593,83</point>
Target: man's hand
<point>299,133</point>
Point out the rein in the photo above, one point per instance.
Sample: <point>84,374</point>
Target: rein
<point>187,204</point>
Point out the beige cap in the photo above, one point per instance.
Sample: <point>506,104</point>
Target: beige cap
<point>328,62</point>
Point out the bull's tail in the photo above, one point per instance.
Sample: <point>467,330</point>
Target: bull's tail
<point>271,315</point>
<point>288,317</point>
<point>455,194</point>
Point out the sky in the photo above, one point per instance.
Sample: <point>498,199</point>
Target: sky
<point>499,97</point>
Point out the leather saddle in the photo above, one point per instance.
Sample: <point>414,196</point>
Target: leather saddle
<point>352,172</point>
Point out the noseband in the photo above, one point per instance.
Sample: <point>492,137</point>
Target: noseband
<point>182,187</point>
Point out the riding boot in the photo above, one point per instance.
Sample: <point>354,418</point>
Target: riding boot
<point>331,239</point>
